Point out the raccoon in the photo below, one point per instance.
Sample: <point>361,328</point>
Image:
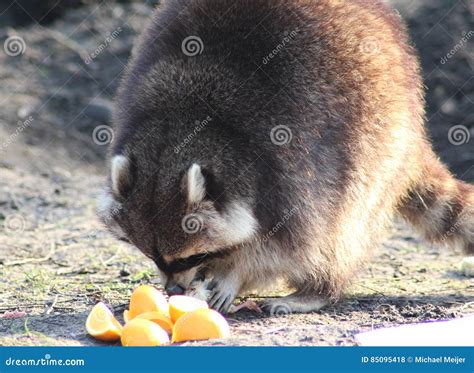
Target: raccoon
<point>258,140</point>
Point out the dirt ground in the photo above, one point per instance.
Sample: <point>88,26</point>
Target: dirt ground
<point>56,261</point>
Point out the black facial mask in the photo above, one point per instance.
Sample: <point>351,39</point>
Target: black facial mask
<point>181,265</point>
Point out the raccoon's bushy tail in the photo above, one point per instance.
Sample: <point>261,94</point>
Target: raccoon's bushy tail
<point>440,207</point>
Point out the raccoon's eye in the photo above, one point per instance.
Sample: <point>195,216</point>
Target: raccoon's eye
<point>124,239</point>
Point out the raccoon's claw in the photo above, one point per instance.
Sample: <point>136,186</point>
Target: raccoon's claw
<point>221,297</point>
<point>221,302</point>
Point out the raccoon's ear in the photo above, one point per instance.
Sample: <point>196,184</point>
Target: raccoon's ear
<point>201,184</point>
<point>121,175</point>
<point>195,184</point>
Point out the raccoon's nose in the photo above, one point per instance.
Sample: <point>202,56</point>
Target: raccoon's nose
<point>174,289</point>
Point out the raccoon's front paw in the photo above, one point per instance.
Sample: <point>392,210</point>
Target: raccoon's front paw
<point>223,293</point>
<point>199,289</point>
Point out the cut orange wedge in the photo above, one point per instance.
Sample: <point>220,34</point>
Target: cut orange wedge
<point>146,333</point>
<point>201,324</point>
<point>181,304</point>
<point>147,299</point>
<point>102,325</point>
<point>126,316</point>
<point>158,318</point>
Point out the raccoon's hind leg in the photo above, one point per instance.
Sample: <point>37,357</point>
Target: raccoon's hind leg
<point>311,294</point>
<point>294,303</point>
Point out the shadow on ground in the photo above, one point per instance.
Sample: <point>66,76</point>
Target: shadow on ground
<point>249,328</point>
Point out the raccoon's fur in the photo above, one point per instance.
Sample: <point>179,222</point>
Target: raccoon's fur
<point>266,139</point>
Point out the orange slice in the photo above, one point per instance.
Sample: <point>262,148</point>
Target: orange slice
<point>102,325</point>
<point>146,333</point>
<point>157,317</point>
<point>147,299</point>
<point>201,324</point>
<point>126,316</point>
<point>181,304</point>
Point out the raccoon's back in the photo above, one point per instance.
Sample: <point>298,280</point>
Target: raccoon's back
<point>333,59</point>
<point>330,71</point>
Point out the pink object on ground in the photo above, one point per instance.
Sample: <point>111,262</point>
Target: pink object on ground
<point>249,305</point>
<point>13,315</point>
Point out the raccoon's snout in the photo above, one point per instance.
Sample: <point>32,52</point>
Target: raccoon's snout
<point>173,288</point>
